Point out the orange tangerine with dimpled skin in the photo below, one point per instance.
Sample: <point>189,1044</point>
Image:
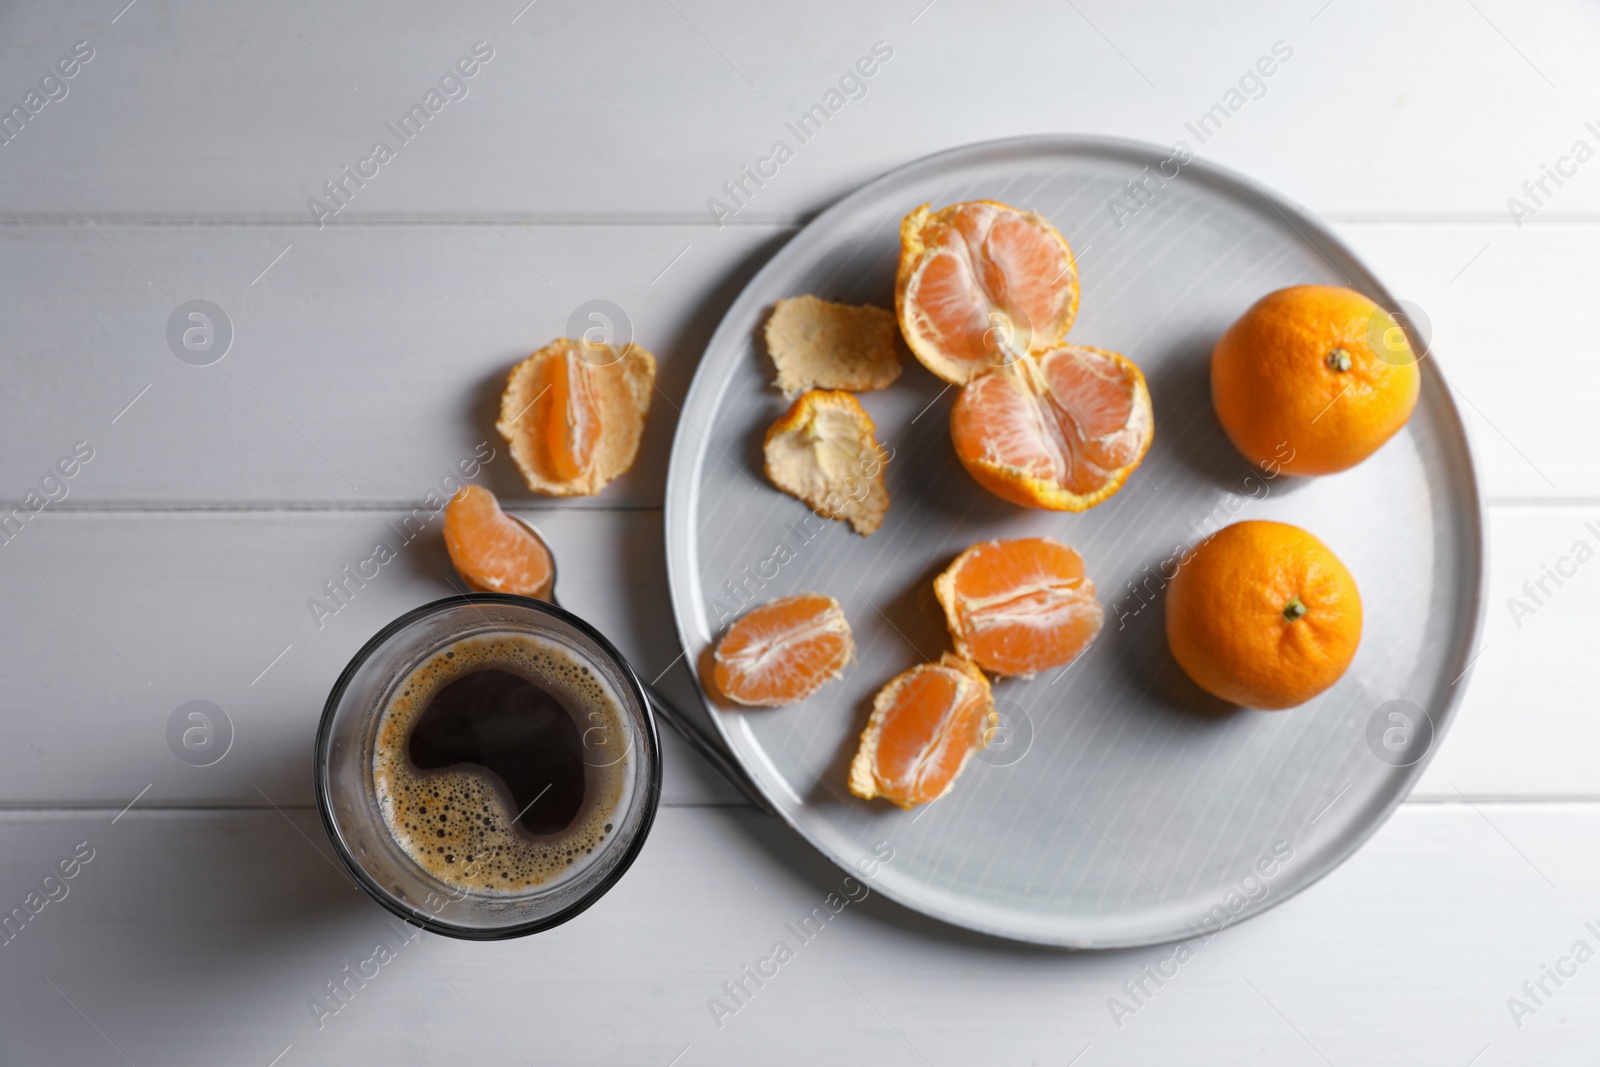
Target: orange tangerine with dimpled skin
<point>1317,373</point>
<point>1264,615</point>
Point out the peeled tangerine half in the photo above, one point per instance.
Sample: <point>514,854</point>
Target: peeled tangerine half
<point>1062,432</point>
<point>574,413</point>
<point>783,651</point>
<point>823,452</point>
<point>1019,607</point>
<point>980,285</point>
<point>925,724</point>
<point>493,552</point>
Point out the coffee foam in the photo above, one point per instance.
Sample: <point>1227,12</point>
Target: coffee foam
<point>458,823</point>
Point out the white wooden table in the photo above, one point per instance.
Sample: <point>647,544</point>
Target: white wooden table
<point>366,361</point>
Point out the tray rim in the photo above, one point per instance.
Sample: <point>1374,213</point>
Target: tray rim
<point>686,453</point>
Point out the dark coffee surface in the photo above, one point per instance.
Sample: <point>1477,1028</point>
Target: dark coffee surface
<point>499,763</point>
<point>514,729</point>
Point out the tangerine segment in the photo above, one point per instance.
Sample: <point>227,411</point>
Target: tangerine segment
<point>493,552</point>
<point>1062,432</point>
<point>925,724</point>
<point>574,414</point>
<point>1313,379</point>
<point>1019,607</point>
<point>572,430</point>
<point>980,285</point>
<point>1263,614</point>
<point>783,651</point>
<point>823,452</point>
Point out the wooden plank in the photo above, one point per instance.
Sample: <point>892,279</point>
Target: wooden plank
<point>365,365</point>
<point>1526,727</point>
<point>135,614</point>
<point>368,361</point>
<point>260,107</point>
<point>200,604</point>
<point>201,938</point>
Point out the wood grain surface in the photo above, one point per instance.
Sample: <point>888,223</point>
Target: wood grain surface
<point>587,161</point>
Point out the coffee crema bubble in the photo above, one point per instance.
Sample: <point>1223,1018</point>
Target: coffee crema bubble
<point>500,762</point>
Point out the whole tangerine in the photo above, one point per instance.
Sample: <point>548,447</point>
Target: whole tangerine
<point>1313,379</point>
<point>1264,615</point>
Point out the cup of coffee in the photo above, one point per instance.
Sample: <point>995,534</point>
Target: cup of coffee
<point>487,766</point>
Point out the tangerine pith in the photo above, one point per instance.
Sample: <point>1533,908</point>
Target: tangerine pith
<point>574,413</point>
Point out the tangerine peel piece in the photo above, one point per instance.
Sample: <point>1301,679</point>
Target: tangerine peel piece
<point>822,451</point>
<point>573,414</point>
<point>817,344</point>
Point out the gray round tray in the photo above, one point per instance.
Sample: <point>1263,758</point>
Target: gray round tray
<point>1121,805</point>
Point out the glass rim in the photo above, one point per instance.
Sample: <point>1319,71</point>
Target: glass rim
<point>651,799</point>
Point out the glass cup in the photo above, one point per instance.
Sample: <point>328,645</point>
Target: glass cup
<point>347,795</point>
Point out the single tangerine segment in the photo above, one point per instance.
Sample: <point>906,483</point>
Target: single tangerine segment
<point>574,414</point>
<point>1264,615</point>
<point>822,451</point>
<point>925,724</point>
<point>1063,431</point>
<point>981,284</point>
<point>572,430</point>
<point>493,552</point>
<point>1313,379</point>
<point>783,651</point>
<point>1019,607</point>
